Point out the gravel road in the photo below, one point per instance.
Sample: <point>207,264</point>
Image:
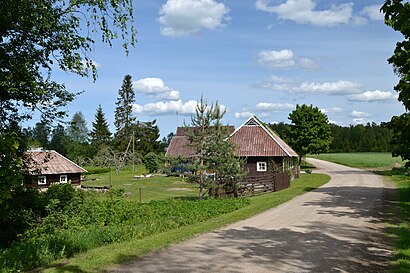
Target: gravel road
<point>336,228</point>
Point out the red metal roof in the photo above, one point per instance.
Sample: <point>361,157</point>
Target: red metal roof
<point>254,139</point>
<point>51,162</point>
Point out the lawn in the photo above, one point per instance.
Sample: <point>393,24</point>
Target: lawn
<point>361,160</point>
<point>157,187</point>
<point>101,258</point>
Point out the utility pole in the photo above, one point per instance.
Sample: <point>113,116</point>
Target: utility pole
<point>133,151</point>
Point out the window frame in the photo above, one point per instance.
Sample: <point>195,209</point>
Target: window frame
<point>66,179</point>
<point>259,165</point>
<point>42,177</point>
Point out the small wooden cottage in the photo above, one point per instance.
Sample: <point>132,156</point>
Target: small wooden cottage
<point>269,160</point>
<point>49,167</point>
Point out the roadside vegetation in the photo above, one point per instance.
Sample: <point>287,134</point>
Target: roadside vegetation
<point>108,228</point>
<point>362,160</point>
<point>100,258</point>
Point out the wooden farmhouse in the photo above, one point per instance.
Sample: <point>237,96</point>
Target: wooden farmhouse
<point>49,167</point>
<point>270,162</point>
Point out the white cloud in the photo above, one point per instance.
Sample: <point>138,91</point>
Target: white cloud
<point>358,114</point>
<point>305,12</point>
<point>331,110</point>
<point>169,107</point>
<point>274,106</point>
<point>155,87</point>
<point>373,12</point>
<point>186,17</point>
<point>277,59</point>
<point>284,59</point>
<point>360,120</point>
<point>372,96</point>
<point>245,114</point>
<point>328,88</point>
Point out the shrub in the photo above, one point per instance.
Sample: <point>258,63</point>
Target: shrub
<point>93,222</point>
<point>152,162</point>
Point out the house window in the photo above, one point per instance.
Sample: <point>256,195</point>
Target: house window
<point>261,166</point>
<point>42,180</point>
<point>63,178</point>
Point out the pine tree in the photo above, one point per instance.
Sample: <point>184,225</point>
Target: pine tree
<point>100,134</point>
<point>123,113</point>
<point>58,140</point>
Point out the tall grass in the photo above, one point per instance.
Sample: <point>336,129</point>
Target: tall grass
<point>86,222</point>
<point>100,258</point>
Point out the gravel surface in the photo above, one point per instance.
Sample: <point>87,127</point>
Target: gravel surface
<point>336,228</point>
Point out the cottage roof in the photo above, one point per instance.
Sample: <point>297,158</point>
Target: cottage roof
<point>51,162</point>
<point>254,138</point>
<point>179,145</point>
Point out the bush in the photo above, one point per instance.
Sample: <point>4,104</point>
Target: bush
<point>93,222</point>
<point>152,162</point>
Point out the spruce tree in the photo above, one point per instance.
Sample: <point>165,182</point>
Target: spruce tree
<point>123,114</point>
<point>100,134</point>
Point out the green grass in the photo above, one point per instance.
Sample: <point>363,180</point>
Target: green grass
<point>101,258</point>
<point>156,187</point>
<point>399,227</point>
<point>361,160</point>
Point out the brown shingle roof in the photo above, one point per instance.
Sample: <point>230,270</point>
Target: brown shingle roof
<point>179,145</point>
<point>253,138</point>
<point>51,162</point>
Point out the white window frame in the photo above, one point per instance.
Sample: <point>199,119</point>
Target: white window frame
<point>261,166</point>
<point>65,180</point>
<point>41,177</point>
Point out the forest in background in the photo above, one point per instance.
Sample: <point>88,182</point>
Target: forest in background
<point>370,137</point>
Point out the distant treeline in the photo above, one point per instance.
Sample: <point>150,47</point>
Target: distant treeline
<point>371,137</point>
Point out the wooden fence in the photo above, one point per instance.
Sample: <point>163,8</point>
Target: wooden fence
<point>258,184</point>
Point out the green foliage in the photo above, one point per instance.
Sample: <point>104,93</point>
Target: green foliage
<point>400,126</point>
<point>77,138</point>
<point>146,135</point>
<point>371,137</point>
<point>153,162</point>
<point>100,134</point>
<point>214,155</point>
<point>12,148</point>
<point>86,222</point>
<point>101,258</point>
<point>58,140</point>
<point>309,131</point>
<point>37,37</point>
<point>397,16</point>
<point>123,114</point>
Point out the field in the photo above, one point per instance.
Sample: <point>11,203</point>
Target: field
<point>156,187</point>
<point>100,258</point>
<point>362,160</point>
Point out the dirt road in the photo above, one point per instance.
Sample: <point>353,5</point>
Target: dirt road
<point>336,228</point>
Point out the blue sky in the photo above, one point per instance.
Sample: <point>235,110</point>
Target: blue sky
<point>252,56</point>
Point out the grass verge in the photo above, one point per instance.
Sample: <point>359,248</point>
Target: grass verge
<point>399,228</point>
<point>101,258</point>
<point>361,160</point>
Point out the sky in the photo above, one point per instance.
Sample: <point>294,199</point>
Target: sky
<point>255,57</point>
